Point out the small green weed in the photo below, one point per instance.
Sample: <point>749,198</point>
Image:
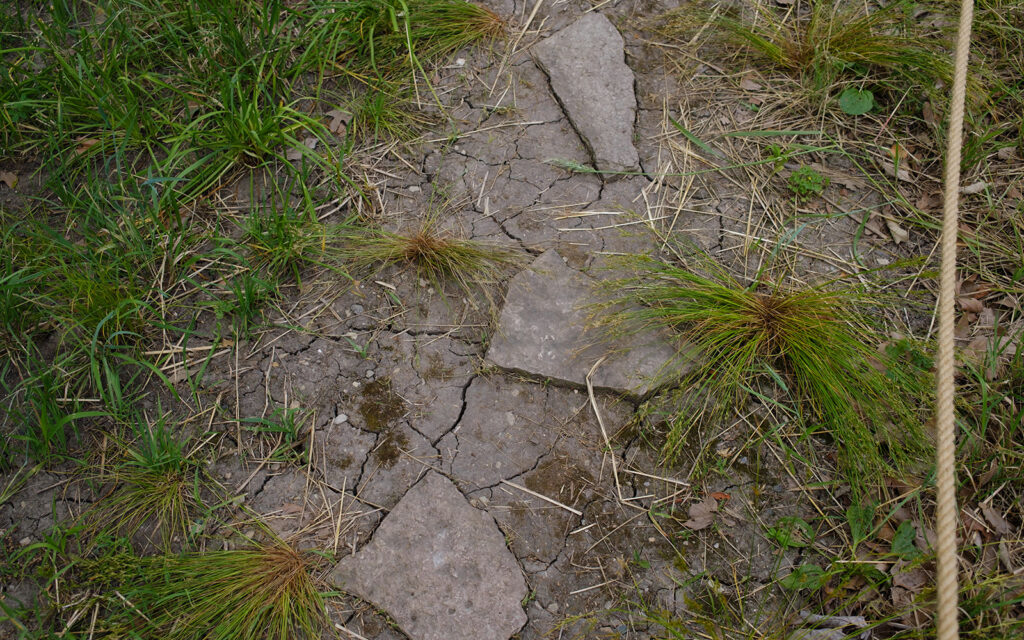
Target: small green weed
<point>807,183</point>
<point>286,425</point>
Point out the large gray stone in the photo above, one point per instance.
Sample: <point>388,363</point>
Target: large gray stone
<point>541,333</point>
<point>439,567</point>
<point>587,68</point>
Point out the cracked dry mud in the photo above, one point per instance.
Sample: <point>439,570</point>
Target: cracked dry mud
<point>439,440</point>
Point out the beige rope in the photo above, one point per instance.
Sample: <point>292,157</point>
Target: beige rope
<point>945,513</point>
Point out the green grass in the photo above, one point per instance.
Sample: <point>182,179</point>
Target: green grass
<point>257,593</point>
<point>814,347</point>
<point>438,256</point>
<point>830,42</point>
<point>155,484</point>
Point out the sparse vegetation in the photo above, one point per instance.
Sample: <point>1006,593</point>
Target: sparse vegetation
<point>195,193</point>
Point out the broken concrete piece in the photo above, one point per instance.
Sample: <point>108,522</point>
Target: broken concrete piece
<point>587,68</point>
<point>439,567</point>
<point>541,333</point>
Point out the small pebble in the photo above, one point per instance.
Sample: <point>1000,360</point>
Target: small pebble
<point>414,189</point>
<point>369,374</point>
<point>341,418</point>
<point>460,62</point>
<point>423,282</point>
<point>356,384</point>
<point>552,608</point>
<point>25,541</point>
<point>227,475</point>
<point>652,539</point>
<point>356,309</point>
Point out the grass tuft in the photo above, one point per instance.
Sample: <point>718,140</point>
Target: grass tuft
<point>437,256</point>
<point>155,484</point>
<point>827,42</point>
<point>813,346</point>
<point>264,593</point>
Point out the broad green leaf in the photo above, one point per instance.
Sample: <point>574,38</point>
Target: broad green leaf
<point>791,531</point>
<point>903,541</point>
<point>806,576</point>
<point>860,518</point>
<point>856,101</point>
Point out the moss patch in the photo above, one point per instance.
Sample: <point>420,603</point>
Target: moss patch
<point>380,406</point>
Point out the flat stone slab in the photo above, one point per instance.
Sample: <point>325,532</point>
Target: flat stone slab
<point>439,567</point>
<point>541,333</point>
<point>587,67</point>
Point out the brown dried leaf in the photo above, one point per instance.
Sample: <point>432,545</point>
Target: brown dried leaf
<point>999,525</point>
<point>84,144</point>
<point>339,121</point>
<point>913,580</point>
<point>898,233</point>
<point>972,521</point>
<point>930,200</point>
<point>890,170</point>
<point>9,178</point>
<point>970,305</point>
<point>295,154</point>
<point>928,114</point>
<point>972,189</point>
<point>702,514</point>
<point>749,85</point>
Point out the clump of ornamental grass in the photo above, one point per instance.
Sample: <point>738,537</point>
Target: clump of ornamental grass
<point>813,349</point>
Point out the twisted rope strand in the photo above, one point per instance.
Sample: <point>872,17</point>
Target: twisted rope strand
<point>945,513</point>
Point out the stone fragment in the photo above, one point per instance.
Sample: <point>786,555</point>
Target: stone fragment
<point>587,68</point>
<point>541,333</point>
<point>439,567</point>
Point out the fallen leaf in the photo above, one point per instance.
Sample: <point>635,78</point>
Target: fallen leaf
<point>818,634</point>
<point>971,520</point>
<point>963,328</point>
<point>339,121</point>
<point>890,170</point>
<point>721,496</point>
<point>84,144</point>
<point>971,189</point>
<point>913,580</point>
<point>970,305</point>
<point>999,525</point>
<point>9,178</point>
<point>702,514</point>
<point>988,475</point>
<point>295,154</point>
<point>929,201</point>
<point>928,114</point>
<point>291,508</point>
<point>749,85</point>
<point>898,233</point>
<point>1006,153</point>
<point>1008,301</point>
